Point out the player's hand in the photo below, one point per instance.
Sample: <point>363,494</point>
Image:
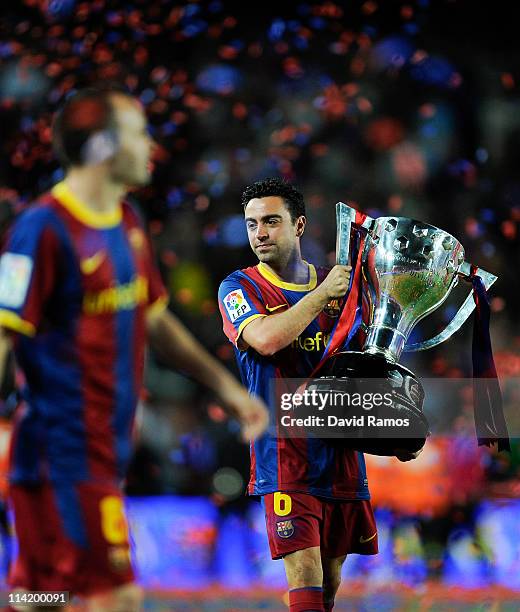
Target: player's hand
<point>335,285</point>
<point>250,412</point>
<point>405,455</point>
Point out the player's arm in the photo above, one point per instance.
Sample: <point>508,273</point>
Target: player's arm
<point>181,350</point>
<point>268,335</point>
<point>5,349</point>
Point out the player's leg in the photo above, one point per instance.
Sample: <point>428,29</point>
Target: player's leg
<point>348,527</point>
<point>305,577</point>
<point>303,568</point>
<point>293,523</point>
<point>126,598</point>
<point>37,528</point>
<point>74,538</point>
<point>331,579</point>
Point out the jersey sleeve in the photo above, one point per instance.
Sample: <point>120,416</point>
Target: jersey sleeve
<point>239,305</point>
<point>28,271</point>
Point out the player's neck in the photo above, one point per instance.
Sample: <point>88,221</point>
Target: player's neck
<point>97,194</point>
<point>294,270</point>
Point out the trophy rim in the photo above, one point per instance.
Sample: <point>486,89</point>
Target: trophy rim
<point>434,227</point>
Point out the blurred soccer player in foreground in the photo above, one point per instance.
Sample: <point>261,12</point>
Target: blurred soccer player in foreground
<point>315,493</point>
<point>79,297</point>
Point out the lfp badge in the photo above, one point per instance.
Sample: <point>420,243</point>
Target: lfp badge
<point>285,529</point>
<point>236,304</point>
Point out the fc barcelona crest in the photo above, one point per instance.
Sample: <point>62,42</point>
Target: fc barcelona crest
<point>285,529</point>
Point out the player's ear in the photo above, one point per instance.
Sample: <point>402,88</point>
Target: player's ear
<point>300,225</point>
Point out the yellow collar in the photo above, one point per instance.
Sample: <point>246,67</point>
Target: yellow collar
<point>79,210</point>
<point>273,278</point>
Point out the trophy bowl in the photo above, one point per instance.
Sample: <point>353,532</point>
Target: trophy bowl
<point>409,269</point>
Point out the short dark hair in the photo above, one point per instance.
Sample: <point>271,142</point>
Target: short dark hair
<point>83,113</point>
<point>276,187</point>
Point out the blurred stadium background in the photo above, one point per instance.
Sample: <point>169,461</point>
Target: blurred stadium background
<point>407,108</point>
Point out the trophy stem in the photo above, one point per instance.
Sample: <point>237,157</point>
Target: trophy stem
<point>386,341</point>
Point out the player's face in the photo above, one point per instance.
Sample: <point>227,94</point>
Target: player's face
<point>272,234</point>
<point>131,166</point>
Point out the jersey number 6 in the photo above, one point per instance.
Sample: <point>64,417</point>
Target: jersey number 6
<point>113,520</point>
<point>282,504</point>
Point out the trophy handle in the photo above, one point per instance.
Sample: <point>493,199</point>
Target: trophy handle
<point>345,217</point>
<point>463,313</point>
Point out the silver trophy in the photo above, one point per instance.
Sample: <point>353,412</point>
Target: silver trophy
<point>408,270</point>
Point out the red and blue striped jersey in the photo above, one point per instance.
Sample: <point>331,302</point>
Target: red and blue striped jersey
<point>308,465</point>
<point>76,286</point>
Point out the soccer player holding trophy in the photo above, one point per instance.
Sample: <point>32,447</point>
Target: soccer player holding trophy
<point>279,318</point>
<point>79,297</point>
<point>315,495</point>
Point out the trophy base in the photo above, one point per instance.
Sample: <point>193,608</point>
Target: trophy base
<point>347,372</point>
